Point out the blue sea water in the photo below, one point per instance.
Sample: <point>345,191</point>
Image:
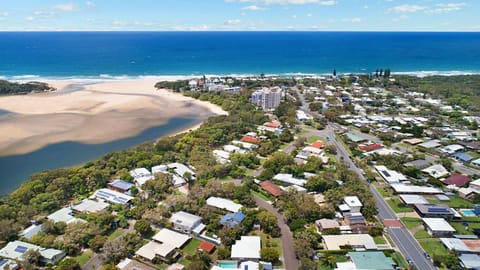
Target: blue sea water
<point>113,55</point>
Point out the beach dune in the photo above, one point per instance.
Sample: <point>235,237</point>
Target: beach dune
<point>96,113</point>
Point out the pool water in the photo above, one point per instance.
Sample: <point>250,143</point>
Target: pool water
<point>468,212</point>
<point>227,264</point>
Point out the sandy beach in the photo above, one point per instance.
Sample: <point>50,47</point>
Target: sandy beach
<point>96,113</point>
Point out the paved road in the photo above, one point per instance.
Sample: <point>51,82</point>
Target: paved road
<point>290,261</point>
<point>94,263</point>
<point>402,238</point>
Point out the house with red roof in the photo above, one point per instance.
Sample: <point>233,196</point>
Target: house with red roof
<point>370,147</point>
<point>318,144</point>
<point>250,139</point>
<point>206,247</point>
<point>458,180</point>
<point>271,188</point>
<point>273,124</point>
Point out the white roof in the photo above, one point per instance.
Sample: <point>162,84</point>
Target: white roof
<point>334,242</point>
<point>171,237</point>
<point>139,172</point>
<point>90,206</point>
<point>152,248</point>
<point>455,244</point>
<point>224,204</point>
<point>450,149</point>
<point>413,199</point>
<point>159,169</point>
<point>476,162</point>
<point>63,215</point>
<point>438,224</point>
<point>289,179</point>
<point>247,247</point>
<point>245,145</point>
<point>436,171</point>
<point>475,183</point>
<point>344,207</point>
<point>31,231</point>
<point>352,201</point>
<point>312,149</point>
<point>185,219</point>
<point>403,188</point>
<point>180,168</point>
<point>430,144</point>
<point>112,196</point>
<point>231,148</point>
<point>221,154</point>
<point>389,175</point>
<point>15,249</point>
<point>346,266</point>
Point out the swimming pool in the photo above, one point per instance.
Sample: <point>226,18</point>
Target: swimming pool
<point>227,264</point>
<point>468,212</point>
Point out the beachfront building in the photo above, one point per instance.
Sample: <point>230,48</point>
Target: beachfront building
<point>267,98</point>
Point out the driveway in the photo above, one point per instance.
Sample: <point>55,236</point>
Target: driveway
<point>290,261</point>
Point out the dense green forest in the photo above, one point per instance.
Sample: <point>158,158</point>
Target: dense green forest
<point>12,88</point>
<point>463,90</point>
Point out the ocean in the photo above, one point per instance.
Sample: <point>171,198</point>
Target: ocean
<point>28,56</point>
<point>120,55</point>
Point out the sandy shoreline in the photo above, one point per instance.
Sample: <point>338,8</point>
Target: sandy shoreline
<point>98,113</point>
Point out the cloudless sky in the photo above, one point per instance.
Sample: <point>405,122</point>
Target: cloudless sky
<point>211,15</point>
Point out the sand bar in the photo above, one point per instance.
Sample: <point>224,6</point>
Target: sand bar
<point>98,113</point>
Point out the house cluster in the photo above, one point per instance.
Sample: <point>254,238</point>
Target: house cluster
<point>181,174</point>
<point>248,142</point>
<point>316,149</point>
<point>213,84</point>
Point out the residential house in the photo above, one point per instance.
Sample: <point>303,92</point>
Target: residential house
<point>141,176</point>
<point>90,206</point>
<point>436,171</point>
<point>121,186</point>
<point>326,224</point>
<point>410,199</point>
<point>129,264</point>
<point>451,149</point>
<point>438,227</point>
<point>187,223</point>
<point>247,248</point>
<point>63,215</point>
<point>163,245</point>
<point>458,180</point>
<point>470,261</point>
<point>112,196</point>
<point>353,203</point>
<point>357,223</point>
<point>370,260</point>
<point>224,204</point>
<point>356,241</point>
<point>31,231</point>
<point>206,247</point>
<point>419,164</point>
<point>412,189</point>
<point>434,211</point>
<point>462,157</point>
<point>289,179</point>
<point>14,250</point>
<point>271,188</point>
<point>232,219</point>
<point>390,176</point>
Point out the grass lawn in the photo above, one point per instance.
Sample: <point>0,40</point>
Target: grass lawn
<point>275,243</point>
<point>117,233</point>
<point>433,246</point>
<point>336,258</point>
<point>191,247</point>
<point>184,262</point>
<point>83,258</point>
<point>422,234</point>
<point>455,202</point>
<point>398,258</point>
<point>411,223</point>
<point>313,139</point>
<point>379,240</point>
<point>461,228</point>
<point>385,191</point>
<point>261,195</point>
<point>398,207</point>
<point>474,154</point>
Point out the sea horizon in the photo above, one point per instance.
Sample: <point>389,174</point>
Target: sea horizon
<point>169,55</point>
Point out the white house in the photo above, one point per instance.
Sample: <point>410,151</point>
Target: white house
<point>353,203</point>
<point>141,176</point>
<point>451,149</point>
<point>389,175</point>
<point>31,231</point>
<point>187,223</point>
<point>289,179</point>
<point>436,171</point>
<point>247,248</point>
<point>89,206</point>
<point>63,215</point>
<point>14,250</point>
<point>224,204</point>
<point>438,227</point>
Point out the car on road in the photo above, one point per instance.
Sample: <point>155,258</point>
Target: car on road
<point>426,256</point>
<point>410,262</point>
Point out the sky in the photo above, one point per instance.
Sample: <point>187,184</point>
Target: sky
<point>240,15</point>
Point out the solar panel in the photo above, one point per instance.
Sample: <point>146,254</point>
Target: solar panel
<point>21,249</point>
<point>386,173</point>
<point>3,262</point>
<point>437,210</point>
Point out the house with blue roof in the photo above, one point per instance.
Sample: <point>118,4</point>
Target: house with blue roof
<point>232,219</point>
<point>462,157</point>
<point>120,186</point>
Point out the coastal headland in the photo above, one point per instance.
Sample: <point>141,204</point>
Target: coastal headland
<point>91,113</point>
